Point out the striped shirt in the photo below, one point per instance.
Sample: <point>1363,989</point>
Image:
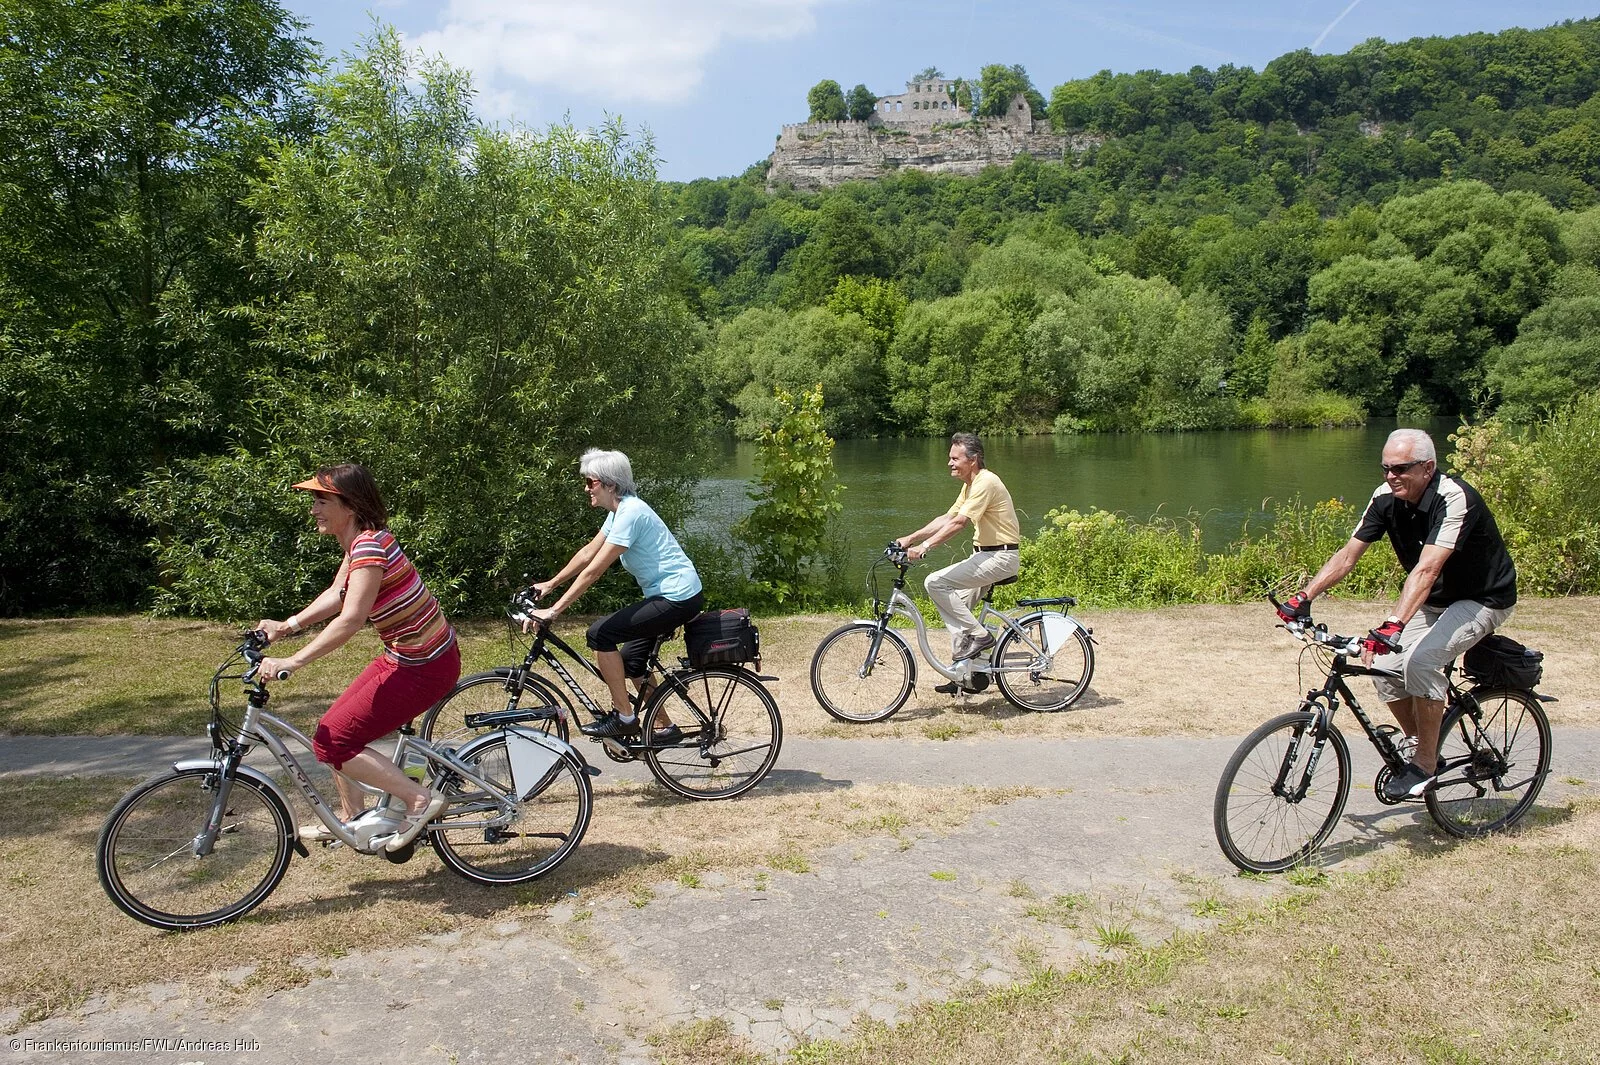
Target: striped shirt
<point>407,616</point>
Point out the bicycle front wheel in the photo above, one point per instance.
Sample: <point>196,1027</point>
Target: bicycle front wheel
<point>486,840</point>
<point>482,693</point>
<point>1273,808</point>
<point>1053,679</point>
<point>731,732</point>
<point>1495,763</point>
<point>146,860</point>
<point>861,673</point>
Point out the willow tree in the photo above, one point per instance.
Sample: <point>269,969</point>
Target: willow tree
<point>462,308</point>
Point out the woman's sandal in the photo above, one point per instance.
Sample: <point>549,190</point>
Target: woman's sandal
<point>415,822</point>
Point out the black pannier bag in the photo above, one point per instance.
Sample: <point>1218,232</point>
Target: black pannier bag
<point>1500,662</point>
<point>723,637</point>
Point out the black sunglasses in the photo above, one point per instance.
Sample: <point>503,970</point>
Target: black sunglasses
<point>1400,467</point>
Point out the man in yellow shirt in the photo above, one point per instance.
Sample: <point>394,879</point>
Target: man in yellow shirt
<point>984,504</point>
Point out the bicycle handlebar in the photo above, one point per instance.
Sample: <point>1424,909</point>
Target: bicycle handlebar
<point>1306,632</point>
<point>521,609</point>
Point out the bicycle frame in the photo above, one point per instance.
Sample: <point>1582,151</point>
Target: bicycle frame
<point>662,682</point>
<point>259,726</point>
<point>1324,703</point>
<point>900,603</point>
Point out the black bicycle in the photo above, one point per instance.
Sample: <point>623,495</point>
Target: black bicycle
<point>729,735</point>
<point>1281,795</point>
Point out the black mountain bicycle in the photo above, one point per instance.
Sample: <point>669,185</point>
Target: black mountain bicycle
<point>1281,795</point>
<point>731,730</point>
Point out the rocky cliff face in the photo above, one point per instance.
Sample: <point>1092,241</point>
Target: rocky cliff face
<point>817,155</point>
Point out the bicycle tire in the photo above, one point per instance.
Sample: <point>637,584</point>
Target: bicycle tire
<point>538,833</point>
<point>836,670</point>
<point>732,732</point>
<point>145,858</point>
<point>444,722</point>
<point>1507,753</point>
<point>1057,687</point>
<point>1261,832</point>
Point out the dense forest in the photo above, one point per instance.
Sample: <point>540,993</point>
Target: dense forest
<point>225,263</point>
<point>1332,236</point>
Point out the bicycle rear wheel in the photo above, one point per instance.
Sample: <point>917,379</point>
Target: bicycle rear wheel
<point>856,681</point>
<point>145,853</point>
<point>484,840</point>
<point>731,732</point>
<point>1265,826</point>
<point>1497,759</point>
<point>1050,682</point>
<point>481,693</point>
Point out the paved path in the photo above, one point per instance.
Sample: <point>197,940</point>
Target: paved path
<point>1124,834</point>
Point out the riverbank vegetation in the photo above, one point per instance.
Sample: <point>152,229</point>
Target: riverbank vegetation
<point>226,264</point>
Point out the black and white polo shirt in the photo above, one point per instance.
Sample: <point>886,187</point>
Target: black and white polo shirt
<point>1450,514</point>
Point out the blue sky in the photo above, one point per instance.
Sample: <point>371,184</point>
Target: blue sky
<point>713,80</point>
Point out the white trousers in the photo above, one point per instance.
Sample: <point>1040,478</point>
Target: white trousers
<point>955,588</point>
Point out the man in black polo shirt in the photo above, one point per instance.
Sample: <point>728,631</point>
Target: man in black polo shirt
<point>1461,586</point>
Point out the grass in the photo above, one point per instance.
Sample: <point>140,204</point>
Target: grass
<point>63,941</point>
<point>57,677</point>
<point>1477,953</point>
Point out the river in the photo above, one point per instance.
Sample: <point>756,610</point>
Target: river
<point>1221,479</point>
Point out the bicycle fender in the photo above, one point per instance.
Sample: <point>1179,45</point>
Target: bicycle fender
<point>890,634</point>
<point>1058,628</point>
<point>256,776</point>
<point>532,755</point>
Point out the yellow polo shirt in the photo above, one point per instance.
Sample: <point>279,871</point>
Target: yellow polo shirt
<point>986,503</point>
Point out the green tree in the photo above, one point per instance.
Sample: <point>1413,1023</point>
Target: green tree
<point>1557,351</point>
<point>131,131</point>
<point>880,304</point>
<point>860,103</point>
<point>765,350</point>
<point>826,101</point>
<point>998,85</point>
<point>795,495</point>
<point>1136,354</point>
<point>964,94</point>
<point>463,309</point>
<point>842,242</point>
<point>963,362</point>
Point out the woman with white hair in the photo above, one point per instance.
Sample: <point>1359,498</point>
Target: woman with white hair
<point>648,550</point>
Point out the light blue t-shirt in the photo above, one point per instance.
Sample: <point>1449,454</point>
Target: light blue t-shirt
<point>651,552</point>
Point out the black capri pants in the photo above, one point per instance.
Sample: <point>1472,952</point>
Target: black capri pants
<point>633,629</point>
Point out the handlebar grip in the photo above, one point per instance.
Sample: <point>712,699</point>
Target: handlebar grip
<point>283,674</point>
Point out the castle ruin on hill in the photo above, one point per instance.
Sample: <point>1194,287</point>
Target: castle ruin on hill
<point>919,129</point>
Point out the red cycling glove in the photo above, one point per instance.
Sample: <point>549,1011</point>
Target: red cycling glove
<point>1296,608</point>
<point>1383,640</point>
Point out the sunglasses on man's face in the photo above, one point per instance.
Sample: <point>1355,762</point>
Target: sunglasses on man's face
<point>592,482</point>
<point>1400,467</point>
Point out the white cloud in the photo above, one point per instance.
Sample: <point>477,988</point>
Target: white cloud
<point>610,51</point>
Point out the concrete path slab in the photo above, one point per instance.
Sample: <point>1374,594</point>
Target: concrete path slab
<point>1121,841</point>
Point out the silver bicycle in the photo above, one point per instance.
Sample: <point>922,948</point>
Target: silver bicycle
<point>1043,658</point>
<point>208,842</point>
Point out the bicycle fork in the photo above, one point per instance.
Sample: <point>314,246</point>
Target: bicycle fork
<point>206,841</point>
<point>1280,786</point>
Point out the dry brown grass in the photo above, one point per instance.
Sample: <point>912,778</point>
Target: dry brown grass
<point>1201,670</point>
<point>1482,953</point>
<point>62,940</point>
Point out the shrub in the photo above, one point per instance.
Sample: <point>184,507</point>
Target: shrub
<point>1544,489</point>
<point>795,497</point>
